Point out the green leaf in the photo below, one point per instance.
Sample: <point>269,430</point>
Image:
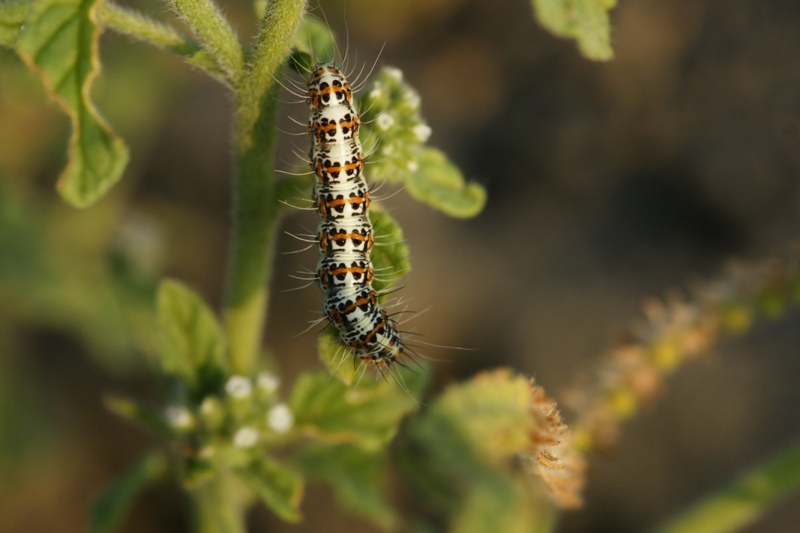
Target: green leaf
<point>280,488</point>
<point>110,508</point>
<point>366,415</point>
<point>459,456</point>
<point>356,478</point>
<point>59,42</point>
<point>586,21</point>
<point>390,253</point>
<point>492,411</point>
<point>12,17</point>
<point>440,184</point>
<point>192,342</point>
<point>313,43</point>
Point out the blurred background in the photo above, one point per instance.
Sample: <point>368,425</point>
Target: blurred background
<point>608,183</point>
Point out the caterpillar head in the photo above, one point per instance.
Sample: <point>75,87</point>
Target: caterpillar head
<point>327,86</point>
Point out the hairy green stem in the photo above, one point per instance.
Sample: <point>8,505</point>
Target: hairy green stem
<point>145,29</point>
<point>215,34</point>
<point>745,500</point>
<point>255,202</point>
<point>273,45</point>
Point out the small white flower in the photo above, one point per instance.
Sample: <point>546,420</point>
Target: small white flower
<point>412,165</point>
<point>412,99</point>
<point>394,73</point>
<point>422,131</point>
<point>239,387</point>
<point>245,437</point>
<point>179,417</point>
<point>280,418</point>
<point>387,149</point>
<point>375,93</point>
<point>385,121</point>
<point>268,382</point>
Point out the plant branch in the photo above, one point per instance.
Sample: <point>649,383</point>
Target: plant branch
<point>273,43</point>
<point>145,29</point>
<point>255,200</point>
<point>745,500</point>
<point>215,34</point>
<point>676,332</point>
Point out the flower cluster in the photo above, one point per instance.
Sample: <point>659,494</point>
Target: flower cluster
<point>393,130</point>
<point>231,425</point>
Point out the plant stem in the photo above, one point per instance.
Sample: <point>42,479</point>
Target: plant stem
<point>745,500</point>
<point>215,509</point>
<point>255,202</point>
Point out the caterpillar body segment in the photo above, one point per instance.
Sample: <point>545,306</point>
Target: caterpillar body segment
<point>345,236</point>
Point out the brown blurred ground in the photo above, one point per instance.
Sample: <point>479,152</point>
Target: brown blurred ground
<point>607,183</point>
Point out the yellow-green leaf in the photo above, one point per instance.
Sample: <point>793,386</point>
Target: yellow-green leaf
<point>460,456</point>
<point>492,411</point>
<point>502,504</point>
<point>586,21</point>
<point>440,184</point>
<point>59,42</point>
<point>366,415</point>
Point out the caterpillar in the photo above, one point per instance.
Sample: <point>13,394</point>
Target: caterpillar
<point>344,234</point>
